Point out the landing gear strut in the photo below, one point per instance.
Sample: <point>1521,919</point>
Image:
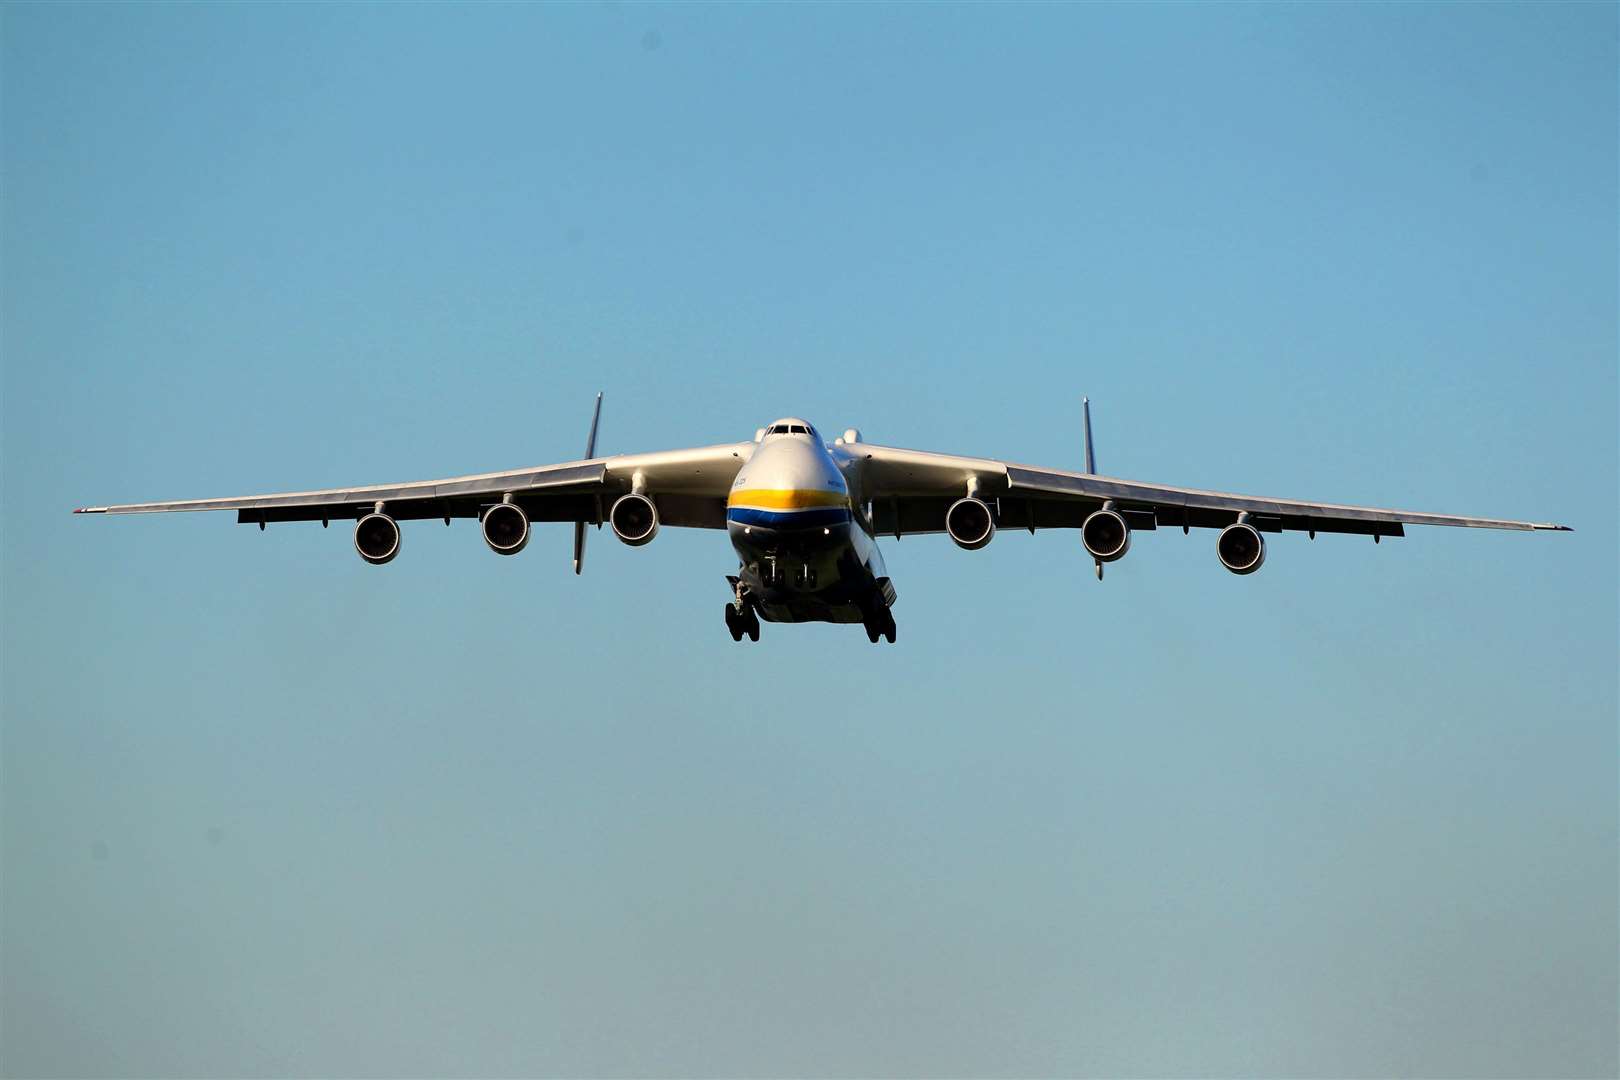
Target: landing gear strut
<point>741,618</point>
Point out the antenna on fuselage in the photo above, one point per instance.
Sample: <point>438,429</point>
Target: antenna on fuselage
<point>1091,457</point>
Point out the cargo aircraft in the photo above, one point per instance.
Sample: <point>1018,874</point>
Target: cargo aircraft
<point>804,514</point>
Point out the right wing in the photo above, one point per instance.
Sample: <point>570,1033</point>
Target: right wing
<point>689,486</point>
<point>909,491</point>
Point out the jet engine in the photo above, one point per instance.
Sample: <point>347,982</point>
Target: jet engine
<point>1241,548</point>
<point>970,523</point>
<point>634,519</point>
<point>376,538</point>
<point>506,528</point>
<point>1106,534</point>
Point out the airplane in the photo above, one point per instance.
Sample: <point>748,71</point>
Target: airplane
<point>804,515</point>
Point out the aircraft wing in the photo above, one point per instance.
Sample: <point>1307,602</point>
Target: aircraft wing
<point>908,491</point>
<point>690,487</point>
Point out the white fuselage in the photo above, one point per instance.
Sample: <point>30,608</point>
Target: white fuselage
<point>806,549</point>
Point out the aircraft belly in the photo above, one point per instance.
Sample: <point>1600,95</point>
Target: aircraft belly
<point>805,575</point>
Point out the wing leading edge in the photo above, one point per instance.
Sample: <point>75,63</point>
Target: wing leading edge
<point>692,483</point>
<point>909,491</point>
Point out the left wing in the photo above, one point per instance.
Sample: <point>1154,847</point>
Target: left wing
<point>908,491</point>
<point>688,486</point>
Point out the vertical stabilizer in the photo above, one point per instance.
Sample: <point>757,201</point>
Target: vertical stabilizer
<point>590,452</point>
<point>1091,456</point>
<point>596,418</point>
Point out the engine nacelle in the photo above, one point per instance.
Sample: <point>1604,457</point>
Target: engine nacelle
<point>634,519</point>
<point>1106,534</point>
<point>506,528</point>
<point>970,523</point>
<point>1241,548</point>
<point>376,538</point>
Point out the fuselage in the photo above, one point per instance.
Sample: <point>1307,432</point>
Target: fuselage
<point>807,551</point>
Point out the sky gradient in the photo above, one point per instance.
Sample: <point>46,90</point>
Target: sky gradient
<point>266,810</point>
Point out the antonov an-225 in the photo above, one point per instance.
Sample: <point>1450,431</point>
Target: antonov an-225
<point>804,514</point>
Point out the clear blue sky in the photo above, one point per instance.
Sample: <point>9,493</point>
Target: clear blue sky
<point>270,811</point>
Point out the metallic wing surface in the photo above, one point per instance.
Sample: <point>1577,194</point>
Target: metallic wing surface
<point>690,486</point>
<point>804,516</point>
<point>909,491</point>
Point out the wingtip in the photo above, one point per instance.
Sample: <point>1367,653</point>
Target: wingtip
<point>90,510</point>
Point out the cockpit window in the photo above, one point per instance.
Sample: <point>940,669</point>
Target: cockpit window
<point>798,429</point>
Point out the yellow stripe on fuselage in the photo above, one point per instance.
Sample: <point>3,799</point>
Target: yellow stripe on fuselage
<point>786,498</point>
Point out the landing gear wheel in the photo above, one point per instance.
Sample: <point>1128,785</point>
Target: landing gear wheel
<point>733,623</point>
<point>880,624</point>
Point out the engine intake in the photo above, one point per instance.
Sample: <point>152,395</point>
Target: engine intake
<point>634,519</point>
<point>1106,534</point>
<point>506,528</point>
<point>1241,548</point>
<point>376,538</point>
<point>970,523</point>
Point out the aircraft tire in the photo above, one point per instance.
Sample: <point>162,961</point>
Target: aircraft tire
<point>733,624</point>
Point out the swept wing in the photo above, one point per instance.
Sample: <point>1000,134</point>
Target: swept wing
<point>908,491</point>
<point>689,485</point>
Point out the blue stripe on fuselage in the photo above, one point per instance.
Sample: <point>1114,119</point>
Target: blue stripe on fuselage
<point>819,517</point>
